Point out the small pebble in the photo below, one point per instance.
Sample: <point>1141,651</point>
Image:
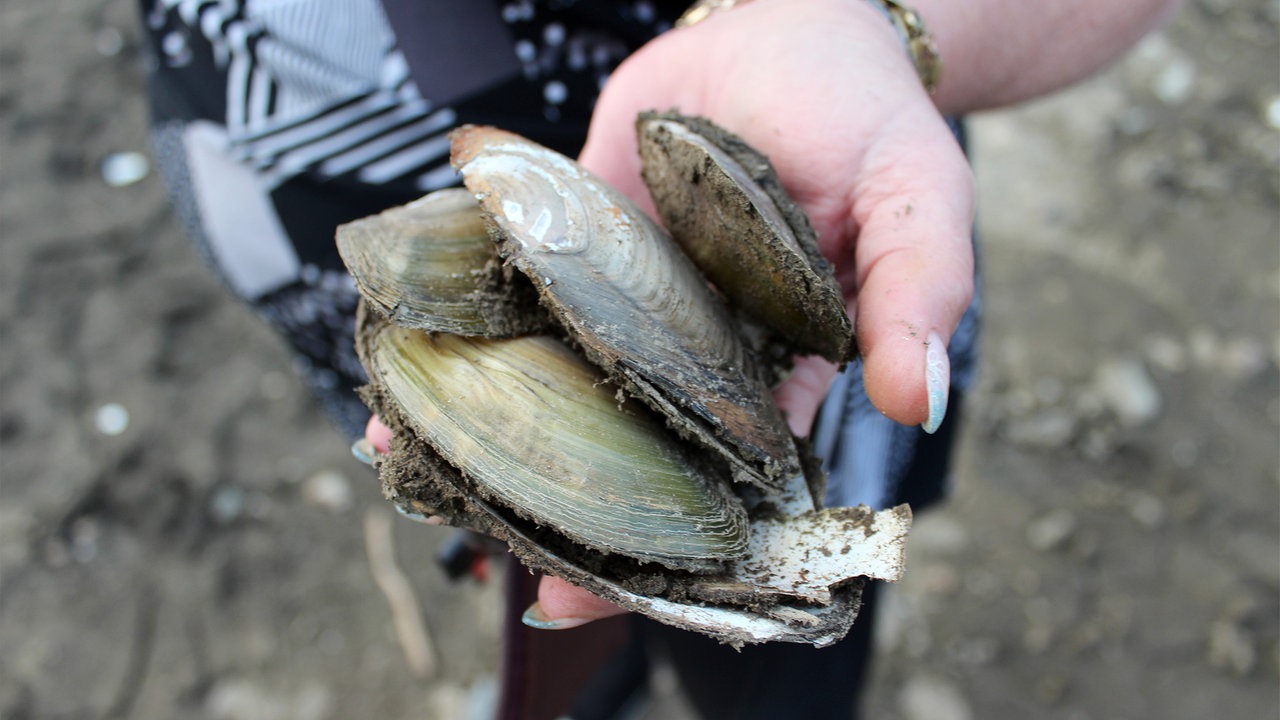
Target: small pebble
<point>111,419</point>
<point>1273,112</point>
<point>85,533</point>
<point>1175,83</point>
<point>1231,648</point>
<point>328,489</point>
<point>1129,391</point>
<point>938,579</point>
<point>108,42</point>
<point>927,697</point>
<point>482,695</point>
<point>448,700</point>
<point>1166,353</point>
<point>227,504</point>
<point>1205,347</point>
<point>1047,429</point>
<point>240,699</point>
<point>1133,121</point>
<point>1148,510</point>
<point>1243,358</point>
<point>939,534</point>
<point>125,168</point>
<point>1052,530</point>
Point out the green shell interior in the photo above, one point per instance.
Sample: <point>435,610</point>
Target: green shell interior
<point>539,431</point>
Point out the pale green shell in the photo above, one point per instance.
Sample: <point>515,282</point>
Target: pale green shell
<point>539,431</point>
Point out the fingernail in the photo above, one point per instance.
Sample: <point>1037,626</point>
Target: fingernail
<point>937,381</point>
<point>364,451</point>
<point>534,618</point>
<point>419,517</point>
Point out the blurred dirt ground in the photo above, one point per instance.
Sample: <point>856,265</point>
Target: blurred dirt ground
<point>182,534</point>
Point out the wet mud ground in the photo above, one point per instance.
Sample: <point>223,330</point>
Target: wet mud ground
<point>1112,549</point>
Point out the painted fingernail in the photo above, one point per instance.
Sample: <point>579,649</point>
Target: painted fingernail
<point>937,381</point>
<point>419,517</point>
<point>364,451</point>
<point>534,618</point>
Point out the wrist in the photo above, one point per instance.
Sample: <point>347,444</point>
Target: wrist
<point>910,26</point>
<point>917,39</point>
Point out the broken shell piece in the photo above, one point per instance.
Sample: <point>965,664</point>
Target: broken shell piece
<point>537,430</point>
<point>628,297</point>
<point>770,594</point>
<point>722,201</point>
<point>431,264</point>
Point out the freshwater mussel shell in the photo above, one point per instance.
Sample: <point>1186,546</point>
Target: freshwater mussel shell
<point>629,298</point>
<point>723,202</point>
<point>533,428</point>
<point>432,265</point>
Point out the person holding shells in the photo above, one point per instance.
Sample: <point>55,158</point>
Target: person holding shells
<point>273,131</point>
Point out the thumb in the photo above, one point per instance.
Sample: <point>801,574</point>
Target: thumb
<point>914,264</point>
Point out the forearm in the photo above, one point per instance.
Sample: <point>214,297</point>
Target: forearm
<point>998,52</point>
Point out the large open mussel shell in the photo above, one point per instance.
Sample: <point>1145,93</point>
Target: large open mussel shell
<point>537,430</point>
<point>628,296</point>
<point>431,264</point>
<point>722,201</point>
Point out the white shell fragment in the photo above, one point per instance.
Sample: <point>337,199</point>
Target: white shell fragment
<point>805,556</point>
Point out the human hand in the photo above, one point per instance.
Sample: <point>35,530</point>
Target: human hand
<point>825,89</point>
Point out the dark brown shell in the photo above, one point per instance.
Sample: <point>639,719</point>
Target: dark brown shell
<point>723,203</point>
